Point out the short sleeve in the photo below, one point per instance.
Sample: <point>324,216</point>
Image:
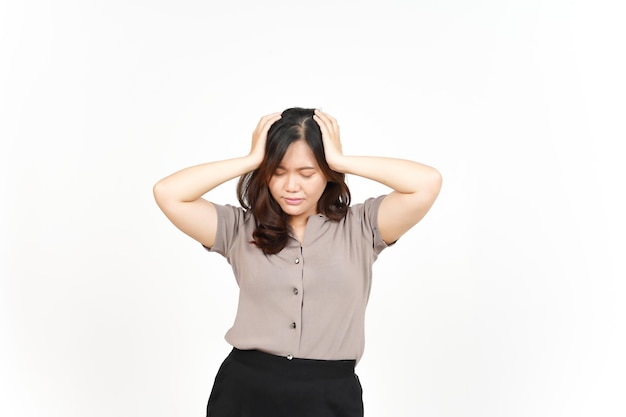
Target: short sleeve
<point>230,220</point>
<point>370,219</point>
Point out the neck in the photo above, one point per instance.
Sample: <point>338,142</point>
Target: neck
<point>298,222</point>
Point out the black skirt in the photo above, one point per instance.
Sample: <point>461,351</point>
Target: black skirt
<point>251,383</point>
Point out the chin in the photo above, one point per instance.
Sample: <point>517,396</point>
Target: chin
<point>291,211</point>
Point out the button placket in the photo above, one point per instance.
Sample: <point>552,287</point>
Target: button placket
<point>296,290</point>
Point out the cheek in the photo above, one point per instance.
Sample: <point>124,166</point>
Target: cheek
<point>274,186</point>
<point>319,187</point>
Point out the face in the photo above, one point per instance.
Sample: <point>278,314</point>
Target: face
<point>298,183</point>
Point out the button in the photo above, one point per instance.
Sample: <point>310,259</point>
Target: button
<point>295,291</point>
<point>297,260</point>
<point>293,325</point>
<point>290,356</point>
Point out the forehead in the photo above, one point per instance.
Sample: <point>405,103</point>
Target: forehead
<point>299,155</point>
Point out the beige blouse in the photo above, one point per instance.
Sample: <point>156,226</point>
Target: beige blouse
<point>309,300</point>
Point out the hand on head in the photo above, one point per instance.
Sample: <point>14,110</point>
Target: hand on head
<point>328,127</point>
<point>259,136</point>
<point>330,136</point>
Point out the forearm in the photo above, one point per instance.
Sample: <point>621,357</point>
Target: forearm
<point>191,183</point>
<point>403,176</point>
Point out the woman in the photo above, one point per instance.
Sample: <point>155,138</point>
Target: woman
<point>302,257</point>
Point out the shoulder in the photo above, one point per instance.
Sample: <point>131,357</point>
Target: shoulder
<point>367,208</point>
<point>233,224</point>
<point>226,212</point>
<point>364,216</point>
<point>362,220</point>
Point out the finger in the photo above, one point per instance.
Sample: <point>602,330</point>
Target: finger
<point>328,120</point>
<point>266,118</point>
<point>322,124</point>
<point>271,118</point>
<point>322,120</point>
<point>271,115</point>
<point>267,121</point>
<point>332,120</point>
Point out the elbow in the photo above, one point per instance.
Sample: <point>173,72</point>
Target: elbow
<point>432,182</point>
<point>437,180</point>
<point>160,192</point>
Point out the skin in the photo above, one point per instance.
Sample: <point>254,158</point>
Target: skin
<point>297,185</point>
<point>415,186</point>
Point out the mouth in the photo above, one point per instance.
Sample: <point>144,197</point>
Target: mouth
<point>293,201</point>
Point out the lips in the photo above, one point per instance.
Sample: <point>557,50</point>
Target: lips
<point>293,201</point>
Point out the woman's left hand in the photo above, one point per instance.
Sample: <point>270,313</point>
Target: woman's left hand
<point>330,137</point>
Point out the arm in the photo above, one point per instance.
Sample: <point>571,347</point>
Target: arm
<point>415,185</point>
<point>179,195</point>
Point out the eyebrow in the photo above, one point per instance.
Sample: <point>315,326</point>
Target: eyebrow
<point>297,169</point>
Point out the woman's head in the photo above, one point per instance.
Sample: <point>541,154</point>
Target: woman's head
<point>290,169</point>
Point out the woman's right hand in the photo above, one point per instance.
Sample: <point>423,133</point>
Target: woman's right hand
<point>179,195</point>
<point>259,136</point>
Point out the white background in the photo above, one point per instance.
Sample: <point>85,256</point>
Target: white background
<point>507,300</point>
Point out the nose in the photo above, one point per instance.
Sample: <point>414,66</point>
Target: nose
<point>292,184</point>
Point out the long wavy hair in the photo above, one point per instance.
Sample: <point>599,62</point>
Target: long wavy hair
<point>272,223</point>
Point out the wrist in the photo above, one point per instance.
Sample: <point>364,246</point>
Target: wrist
<point>253,160</point>
<point>339,163</point>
